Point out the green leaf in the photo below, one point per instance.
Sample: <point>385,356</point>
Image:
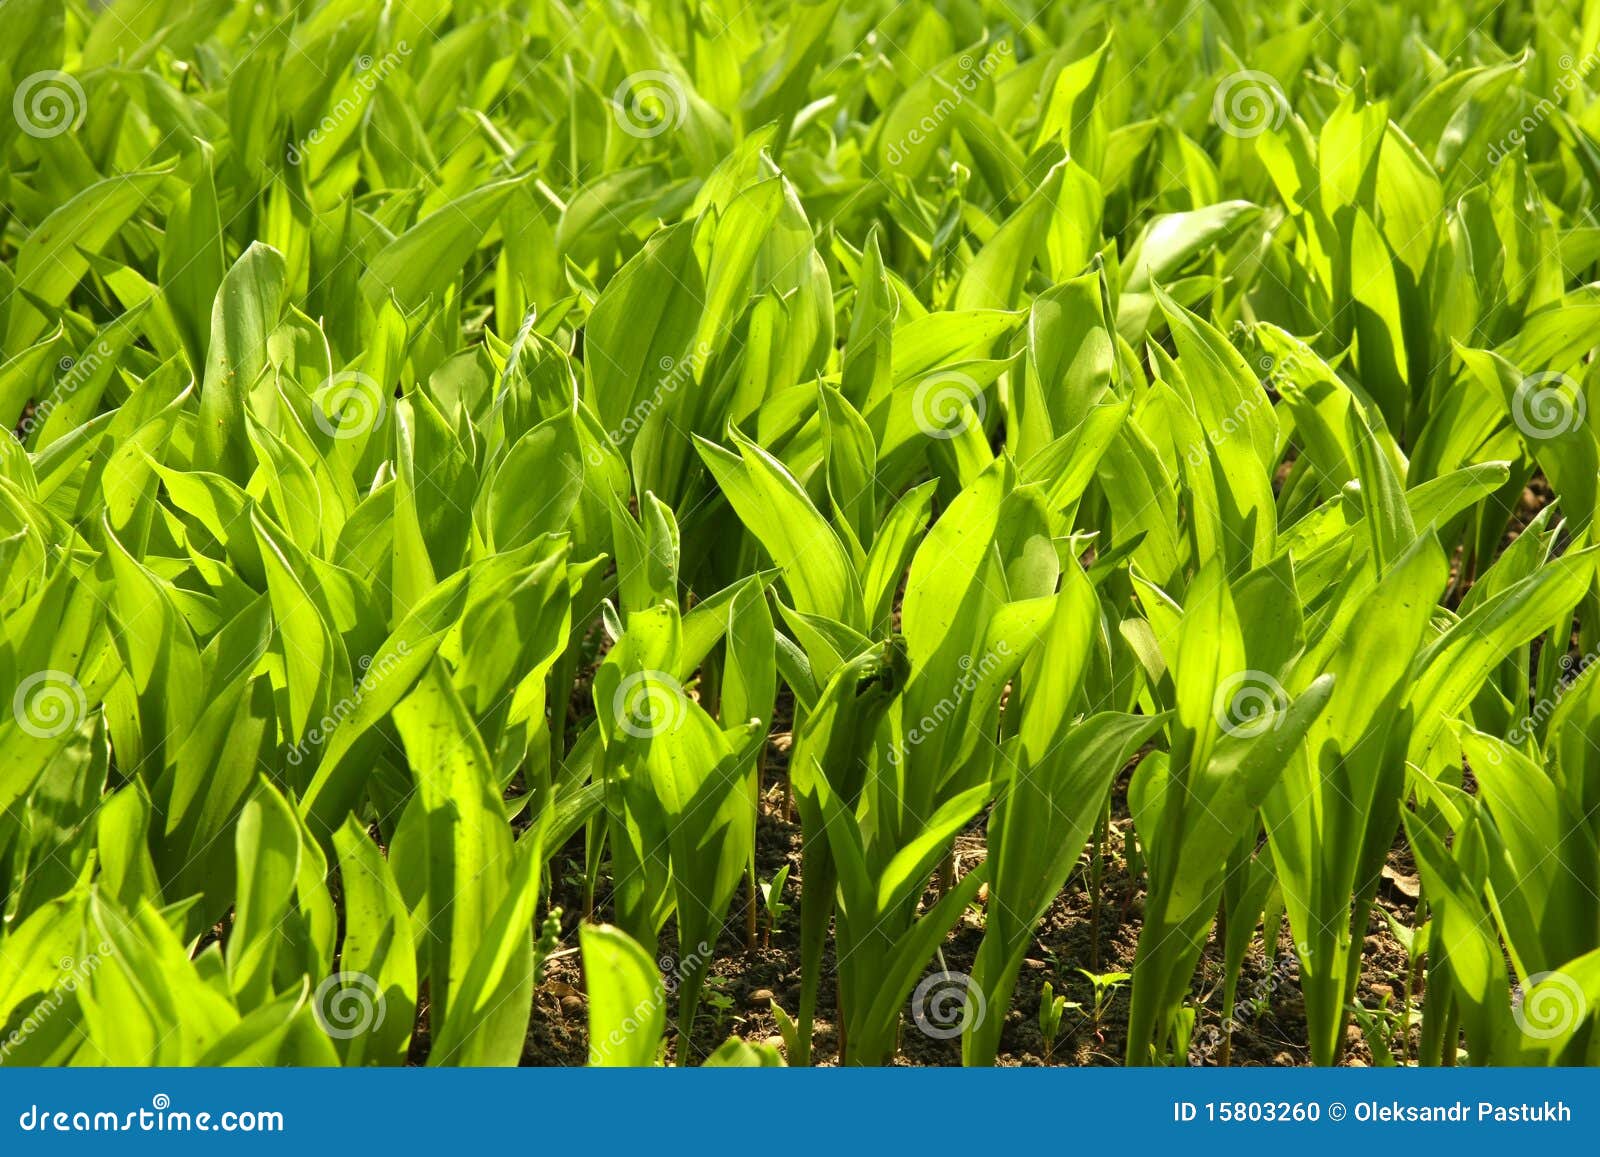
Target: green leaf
<point>627,1009</point>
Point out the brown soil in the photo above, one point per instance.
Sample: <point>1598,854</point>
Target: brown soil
<point>748,979</point>
<point>1079,931</point>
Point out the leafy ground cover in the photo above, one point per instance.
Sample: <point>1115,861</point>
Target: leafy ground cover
<point>824,532</point>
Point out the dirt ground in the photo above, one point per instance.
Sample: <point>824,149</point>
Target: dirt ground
<point>1084,929</point>
<point>745,980</point>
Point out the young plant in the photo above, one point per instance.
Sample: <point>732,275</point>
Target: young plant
<point>1051,1007</point>
<point>1189,805</point>
<point>1105,988</point>
<point>772,899</point>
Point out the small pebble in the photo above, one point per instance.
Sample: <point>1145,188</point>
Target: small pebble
<point>760,996</point>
